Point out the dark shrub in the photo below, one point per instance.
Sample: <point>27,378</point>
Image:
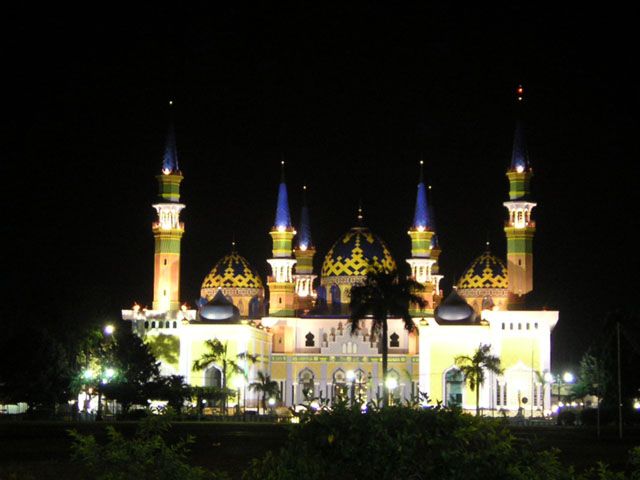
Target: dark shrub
<point>566,418</point>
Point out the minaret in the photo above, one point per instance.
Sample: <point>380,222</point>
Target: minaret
<point>281,284</point>
<point>520,229</point>
<point>167,232</point>
<point>421,233</point>
<point>304,253</point>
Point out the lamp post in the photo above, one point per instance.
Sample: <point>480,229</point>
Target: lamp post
<point>351,377</point>
<point>238,382</point>
<point>391,384</point>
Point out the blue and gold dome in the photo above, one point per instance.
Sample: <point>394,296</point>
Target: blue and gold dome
<point>355,253</point>
<point>232,271</point>
<point>486,271</point>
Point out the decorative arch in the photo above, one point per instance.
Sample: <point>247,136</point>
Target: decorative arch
<point>213,376</point>
<point>453,386</point>
<point>254,307</point>
<point>306,379</point>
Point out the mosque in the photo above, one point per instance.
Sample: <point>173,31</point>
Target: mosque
<point>300,338</point>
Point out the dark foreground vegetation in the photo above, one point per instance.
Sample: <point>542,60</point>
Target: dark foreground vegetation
<point>392,443</point>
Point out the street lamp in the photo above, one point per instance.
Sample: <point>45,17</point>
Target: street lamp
<point>391,384</point>
<point>351,377</point>
<point>238,383</point>
<point>109,329</point>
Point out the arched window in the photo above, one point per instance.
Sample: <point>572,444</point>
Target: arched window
<point>310,340</point>
<point>254,307</point>
<point>305,379</point>
<point>153,324</point>
<point>340,389</point>
<point>146,324</point>
<point>213,377</point>
<point>335,299</point>
<point>175,324</point>
<point>395,340</point>
<point>454,383</point>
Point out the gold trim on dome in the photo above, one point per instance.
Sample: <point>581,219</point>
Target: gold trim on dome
<point>485,272</point>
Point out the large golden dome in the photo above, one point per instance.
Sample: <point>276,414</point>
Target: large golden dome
<point>355,253</point>
<point>486,271</point>
<point>232,271</point>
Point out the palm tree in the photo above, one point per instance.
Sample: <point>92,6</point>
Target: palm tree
<point>384,294</point>
<point>473,368</point>
<point>266,386</point>
<point>217,353</point>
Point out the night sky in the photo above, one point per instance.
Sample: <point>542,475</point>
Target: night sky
<point>352,97</point>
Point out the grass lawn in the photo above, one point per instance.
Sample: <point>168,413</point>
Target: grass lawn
<point>40,450</point>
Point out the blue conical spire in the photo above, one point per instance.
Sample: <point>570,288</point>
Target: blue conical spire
<point>304,235</point>
<point>519,156</point>
<point>421,216</point>
<point>283,217</point>
<point>170,159</point>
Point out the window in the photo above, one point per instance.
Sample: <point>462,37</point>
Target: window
<point>306,382</point>
<point>453,387</point>
<point>395,340</point>
<point>503,325</point>
<point>165,261</point>
<point>310,342</point>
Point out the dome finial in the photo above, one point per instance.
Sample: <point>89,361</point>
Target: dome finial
<point>170,158</point>
<point>421,178</point>
<point>360,215</point>
<point>520,93</point>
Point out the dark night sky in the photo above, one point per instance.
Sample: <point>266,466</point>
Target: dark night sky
<point>351,96</point>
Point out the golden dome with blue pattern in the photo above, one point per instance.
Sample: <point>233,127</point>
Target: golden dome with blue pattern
<point>486,271</point>
<point>355,253</point>
<point>232,271</point>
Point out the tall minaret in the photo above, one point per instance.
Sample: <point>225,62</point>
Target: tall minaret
<point>421,233</point>
<point>281,284</point>
<point>520,228</point>
<point>168,231</point>
<point>304,253</point>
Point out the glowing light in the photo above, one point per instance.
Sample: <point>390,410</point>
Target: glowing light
<point>281,228</point>
<point>136,307</point>
<point>636,405</point>
<point>315,405</point>
<point>519,169</point>
<point>548,377</point>
<point>568,377</point>
<point>184,307</point>
<point>109,372</point>
<point>88,374</point>
<point>303,247</point>
<point>351,375</point>
<point>271,402</point>
<point>166,171</point>
<point>238,382</point>
<point>109,329</point>
<point>421,162</point>
<point>420,228</point>
<point>391,383</point>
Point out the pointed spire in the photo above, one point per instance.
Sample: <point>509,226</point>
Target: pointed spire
<point>170,159</point>
<point>304,235</point>
<point>283,217</point>
<point>421,220</point>
<point>360,216</point>
<point>519,155</point>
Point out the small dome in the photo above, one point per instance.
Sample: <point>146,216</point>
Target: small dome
<point>355,253</point>
<point>454,309</point>
<point>232,271</point>
<point>486,271</point>
<point>220,309</point>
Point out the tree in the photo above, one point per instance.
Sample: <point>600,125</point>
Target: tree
<point>266,387</point>
<point>382,295</point>
<point>39,373</point>
<point>473,368</point>
<point>217,353</point>
<point>171,388</point>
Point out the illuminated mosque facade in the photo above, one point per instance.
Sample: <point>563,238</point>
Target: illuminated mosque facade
<point>300,337</point>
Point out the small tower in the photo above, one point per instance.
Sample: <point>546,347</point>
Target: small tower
<point>304,253</point>
<point>421,234</point>
<point>168,231</point>
<point>519,228</point>
<point>281,284</point>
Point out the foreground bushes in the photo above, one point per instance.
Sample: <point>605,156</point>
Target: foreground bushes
<point>402,443</point>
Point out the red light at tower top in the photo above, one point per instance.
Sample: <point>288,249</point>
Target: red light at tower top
<point>520,93</point>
